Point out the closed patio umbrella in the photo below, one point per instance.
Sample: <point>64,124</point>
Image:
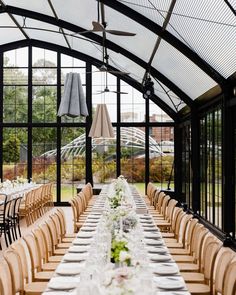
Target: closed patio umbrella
<point>101,126</point>
<point>73,103</point>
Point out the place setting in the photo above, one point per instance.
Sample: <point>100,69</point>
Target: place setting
<point>170,283</point>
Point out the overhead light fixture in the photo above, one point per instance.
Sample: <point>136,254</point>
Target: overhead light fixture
<point>73,102</point>
<point>148,88</point>
<point>101,126</point>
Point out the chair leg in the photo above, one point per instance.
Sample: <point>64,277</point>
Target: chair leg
<point>18,225</point>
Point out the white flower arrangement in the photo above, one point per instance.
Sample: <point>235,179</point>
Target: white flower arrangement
<point>121,281</point>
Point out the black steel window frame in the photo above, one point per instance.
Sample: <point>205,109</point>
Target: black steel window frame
<point>146,124</point>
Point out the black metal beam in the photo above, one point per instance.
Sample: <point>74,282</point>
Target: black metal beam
<point>1,115</point>
<point>58,126</point>
<point>168,37</point>
<point>30,96</point>
<point>228,164</point>
<point>92,60</point>
<point>97,38</point>
<point>178,162</point>
<point>88,152</point>
<point>230,7</point>
<point>195,160</point>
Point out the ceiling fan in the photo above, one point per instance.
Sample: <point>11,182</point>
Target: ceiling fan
<point>107,90</point>
<point>101,27</point>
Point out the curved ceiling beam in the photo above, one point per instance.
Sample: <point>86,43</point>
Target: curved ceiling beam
<point>168,37</point>
<point>74,28</point>
<point>92,60</point>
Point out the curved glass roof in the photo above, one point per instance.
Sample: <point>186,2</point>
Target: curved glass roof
<point>188,47</point>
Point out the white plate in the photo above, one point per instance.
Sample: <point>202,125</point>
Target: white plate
<point>63,283</point>
<point>88,228</point>
<point>159,257</point>
<point>84,235</point>
<point>154,250</point>
<point>153,242</point>
<point>169,283</point>
<point>59,293</point>
<point>74,257</point>
<point>89,224</point>
<point>82,241</point>
<point>156,235</point>
<point>68,271</point>
<point>78,249</point>
<point>165,270</point>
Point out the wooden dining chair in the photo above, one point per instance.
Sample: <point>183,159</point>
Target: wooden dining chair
<point>20,284</point>
<point>174,226</point>
<point>43,250</point>
<point>187,250</point>
<point>192,262</point>
<point>67,242</point>
<point>160,200</point>
<point>61,214</point>
<point>58,248</point>
<point>76,224</point>
<point>6,287</point>
<point>52,256</point>
<point>181,235</point>
<point>223,260</point>
<point>209,256</point>
<point>230,280</point>
<point>38,275</point>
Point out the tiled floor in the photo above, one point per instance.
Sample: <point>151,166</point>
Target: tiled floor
<point>26,229</point>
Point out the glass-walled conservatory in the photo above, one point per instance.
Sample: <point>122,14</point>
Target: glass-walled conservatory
<point>181,136</point>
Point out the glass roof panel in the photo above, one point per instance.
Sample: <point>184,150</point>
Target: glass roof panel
<point>80,13</point>
<point>52,37</point>
<point>155,10</point>
<point>11,34</point>
<point>124,64</point>
<point>41,6</point>
<point>141,44</point>
<point>179,69</point>
<point>233,3</point>
<point>208,27</point>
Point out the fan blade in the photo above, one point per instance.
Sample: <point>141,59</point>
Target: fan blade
<point>118,72</point>
<point>119,92</point>
<point>120,33</point>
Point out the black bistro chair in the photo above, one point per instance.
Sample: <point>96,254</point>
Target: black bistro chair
<point>5,222</point>
<point>14,217</point>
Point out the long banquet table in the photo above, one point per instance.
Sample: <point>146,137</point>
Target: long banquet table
<point>81,272</point>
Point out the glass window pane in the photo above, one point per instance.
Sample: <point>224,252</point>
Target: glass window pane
<point>44,104</point>
<point>73,161</point>
<point>161,155</point>
<point>43,58</point>
<point>16,58</point>
<point>15,104</point>
<point>104,159</point>
<point>133,156</point>
<point>132,104</point>
<point>14,153</point>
